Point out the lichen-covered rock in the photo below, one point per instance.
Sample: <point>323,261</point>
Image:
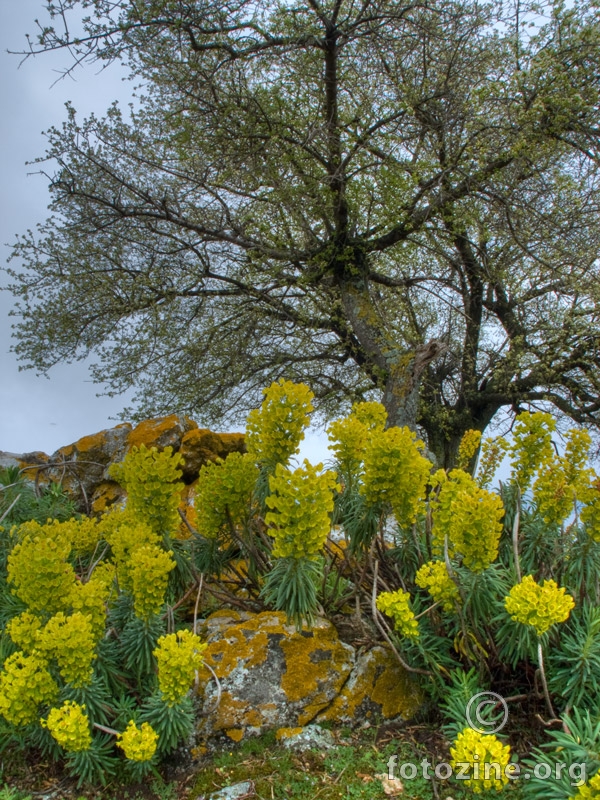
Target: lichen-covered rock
<point>377,688</point>
<point>271,676</point>
<point>82,467</point>
<point>105,495</point>
<point>311,737</point>
<point>161,432</point>
<point>199,446</point>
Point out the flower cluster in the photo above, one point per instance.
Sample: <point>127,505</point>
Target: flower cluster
<point>149,567</point>
<point>70,727</point>
<point>301,503</point>
<point>563,479</point>
<point>38,568</point>
<point>138,744</point>
<point>539,605</point>
<point>151,479</point>
<point>274,431</point>
<point>490,458</point>
<point>532,443</point>
<point>224,493</point>
<point>25,684</point>
<point>371,414</point>
<point>468,447</point>
<point>349,435</point>
<point>179,655</point>
<point>470,517</point>
<point>71,641</point>
<point>24,630</point>
<point>434,577</point>
<point>125,534</point>
<point>396,472</point>
<point>477,750</point>
<point>589,790</point>
<point>397,606</point>
<point>590,513</point>
<point>90,598</point>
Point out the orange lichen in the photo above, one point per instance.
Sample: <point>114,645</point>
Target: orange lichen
<point>287,733</point>
<point>235,734</point>
<point>155,432</point>
<point>378,685</point>
<point>106,495</point>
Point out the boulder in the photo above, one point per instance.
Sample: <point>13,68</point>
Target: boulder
<point>273,677</point>
<point>199,446</point>
<point>378,688</point>
<point>161,432</point>
<point>82,467</point>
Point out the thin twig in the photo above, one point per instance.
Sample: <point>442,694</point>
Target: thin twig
<point>544,682</point>
<point>10,508</point>
<point>197,605</point>
<point>384,633</point>
<point>515,535</point>
<point>218,683</point>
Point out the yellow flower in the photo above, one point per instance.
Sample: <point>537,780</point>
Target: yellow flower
<point>589,790</point>
<point>563,479</point>
<point>397,606</point>
<point>179,655</point>
<point>471,519</point>
<point>138,744</point>
<point>532,444</point>
<point>434,577</point>
<point>125,534</point>
<point>24,630</point>
<point>151,479</point>
<point>350,435</point>
<point>40,572</point>
<point>486,756</point>
<point>301,503</point>
<point>71,641</point>
<point>90,598</point>
<point>274,431</point>
<point>396,472</point>
<point>538,605</point>
<point>224,494</point>
<point>492,453</point>
<point>467,448</point>
<point>25,684</point>
<point>70,727</point>
<point>149,568</point>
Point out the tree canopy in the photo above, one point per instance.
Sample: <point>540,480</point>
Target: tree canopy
<point>381,199</point>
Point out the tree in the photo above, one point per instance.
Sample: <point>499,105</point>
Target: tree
<point>377,198</point>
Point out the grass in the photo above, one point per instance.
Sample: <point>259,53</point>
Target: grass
<point>353,770</point>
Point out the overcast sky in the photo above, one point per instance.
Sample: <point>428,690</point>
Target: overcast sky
<point>37,413</point>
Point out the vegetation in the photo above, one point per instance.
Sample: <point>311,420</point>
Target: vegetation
<point>391,201</point>
<point>473,590</point>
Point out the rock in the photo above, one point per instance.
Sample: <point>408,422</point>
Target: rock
<point>271,676</point>
<point>377,688</point>
<point>82,467</point>
<point>199,446</point>
<point>311,737</point>
<point>161,432</point>
<point>238,791</point>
